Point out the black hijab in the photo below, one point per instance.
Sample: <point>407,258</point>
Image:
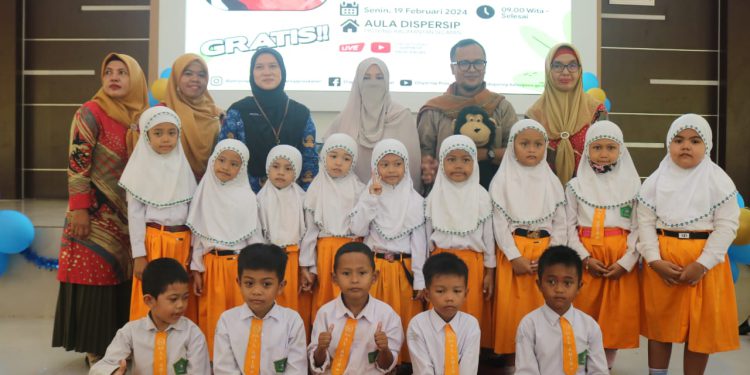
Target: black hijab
<point>272,102</point>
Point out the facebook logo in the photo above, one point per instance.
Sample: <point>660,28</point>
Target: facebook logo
<point>334,81</point>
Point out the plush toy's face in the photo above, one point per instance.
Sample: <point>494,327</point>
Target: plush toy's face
<point>476,128</point>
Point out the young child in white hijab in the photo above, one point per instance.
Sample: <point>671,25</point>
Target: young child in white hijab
<point>529,217</point>
<point>603,229</point>
<point>328,204</point>
<point>687,218</point>
<point>282,217</point>
<point>224,219</point>
<point>159,186</point>
<point>458,215</point>
<point>390,217</point>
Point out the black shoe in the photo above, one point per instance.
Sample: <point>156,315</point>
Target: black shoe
<point>745,327</point>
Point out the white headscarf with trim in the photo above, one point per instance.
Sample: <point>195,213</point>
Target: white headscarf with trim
<point>281,211</point>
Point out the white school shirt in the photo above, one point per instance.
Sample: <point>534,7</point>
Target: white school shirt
<point>203,246</point>
<point>426,340</point>
<point>480,240</point>
<point>539,343</point>
<point>555,226</point>
<point>583,215</point>
<point>308,253</point>
<point>282,339</point>
<point>139,214</point>
<point>376,311</point>
<point>723,223</point>
<point>415,243</point>
<point>185,343</point>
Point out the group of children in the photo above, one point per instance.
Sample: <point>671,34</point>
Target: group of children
<point>333,279</point>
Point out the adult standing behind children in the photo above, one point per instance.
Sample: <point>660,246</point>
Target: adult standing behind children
<point>565,110</point>
<point>270,118</point>
<point>95,261</point>
<point>435,118</point>
<point>371,115</point>
<point>187,95</point>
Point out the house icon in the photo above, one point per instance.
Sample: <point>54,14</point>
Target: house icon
<point>350,26</point>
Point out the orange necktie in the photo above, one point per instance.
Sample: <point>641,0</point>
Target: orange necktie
<point>341,358</point>
<point>451,351</point>
<point>597,226</point>
<point>160,353</point>
<point>252,355</point>
<point>569,353</point>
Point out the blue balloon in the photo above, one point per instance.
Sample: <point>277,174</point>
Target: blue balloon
<point>16,232</point>
<point>165,73</point>
<point>608,105</point>
<point>735,271</point>
<point>3,263</point>
<point>740,200</point>
<point>589,81</point>
<point>152,102</point>
<point>739,253</point>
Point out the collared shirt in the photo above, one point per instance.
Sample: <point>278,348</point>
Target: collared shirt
<point>362,355</point>
<point>481,240</point>
<point>282,341</point>
<point>426,340</point>
<point>185,343</point>
<point>539,343</point>
<point>139,214</point>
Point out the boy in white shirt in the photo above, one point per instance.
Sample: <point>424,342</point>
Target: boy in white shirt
<point>444,340</point>
<point>164,342</point>
<point>238,347</point>
<point>557,338</point>
<point>355,333</point>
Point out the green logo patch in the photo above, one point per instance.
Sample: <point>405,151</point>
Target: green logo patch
<point>373,356</point>
<point>180,367</point>
<point>280,365</point>
<point>626,211</point>
<point>583,357</point>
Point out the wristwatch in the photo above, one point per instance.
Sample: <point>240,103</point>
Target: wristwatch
<point>491,154</point>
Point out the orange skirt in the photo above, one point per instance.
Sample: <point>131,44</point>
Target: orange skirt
<point>475,303</point>
<point>613,303</point>
<point>704,315</point>
<point>290,295</point>
<point>516,296</point>
<point>163,244</point>
<point>221,292</point>
<point>324,290</point>
<point>393,288</point>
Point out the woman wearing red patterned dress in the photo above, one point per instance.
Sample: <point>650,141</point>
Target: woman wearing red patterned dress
<point>565,110</point>
<point>95,261</point>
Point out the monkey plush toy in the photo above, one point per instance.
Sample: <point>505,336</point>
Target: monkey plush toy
<point>475,123</point>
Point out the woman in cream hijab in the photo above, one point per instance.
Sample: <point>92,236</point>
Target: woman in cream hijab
<point>187,95</point>
<point>565,110</point>
<point>370,115</point>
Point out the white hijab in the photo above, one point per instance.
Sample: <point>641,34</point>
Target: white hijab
<point>681,196</point>
<point>457,208</point>
<point>331,200</point>
<point>224,212</point>
<point>400,208</point>
<point>281,210</point>
<point>616,188</point>
<point>154,179</point>
<point>526,195</point>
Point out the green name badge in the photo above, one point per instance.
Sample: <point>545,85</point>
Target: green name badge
<point>373,356</point>
<point>180,367</point>
<point>583,357</point>
<point>280,365</point>
<point>626,211</point>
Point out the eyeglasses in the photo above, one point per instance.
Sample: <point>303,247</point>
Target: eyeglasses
<point>558,67</point>
<point>464,65</point>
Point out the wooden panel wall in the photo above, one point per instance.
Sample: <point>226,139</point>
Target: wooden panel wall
<point>736,82</point>
<point>60,37</point>
<point>10,160</point>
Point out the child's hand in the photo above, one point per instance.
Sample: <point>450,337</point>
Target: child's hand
<point>692,274</point>
<point>615,271</point>
<point>488,284</point>
<point>307,280</point>
<point>197,283</point>
<point>122,369</point>
<point>668,271</point>
<point>521,266</point>
<point>595,267</point>
<point>381,340</point>
<point>376,188</point>
<point>324,339</point>
<point>139,264</point>
<point>420,295</point>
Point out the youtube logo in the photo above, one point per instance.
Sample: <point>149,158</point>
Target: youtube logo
<point>351,47</point>
<point>380,47</point>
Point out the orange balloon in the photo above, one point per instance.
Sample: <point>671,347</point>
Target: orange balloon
<point>159,89</point>
<point>743,232</point>
<point>597,94</point>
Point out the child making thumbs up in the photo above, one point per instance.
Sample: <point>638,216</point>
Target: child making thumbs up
<point>355,333</point>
